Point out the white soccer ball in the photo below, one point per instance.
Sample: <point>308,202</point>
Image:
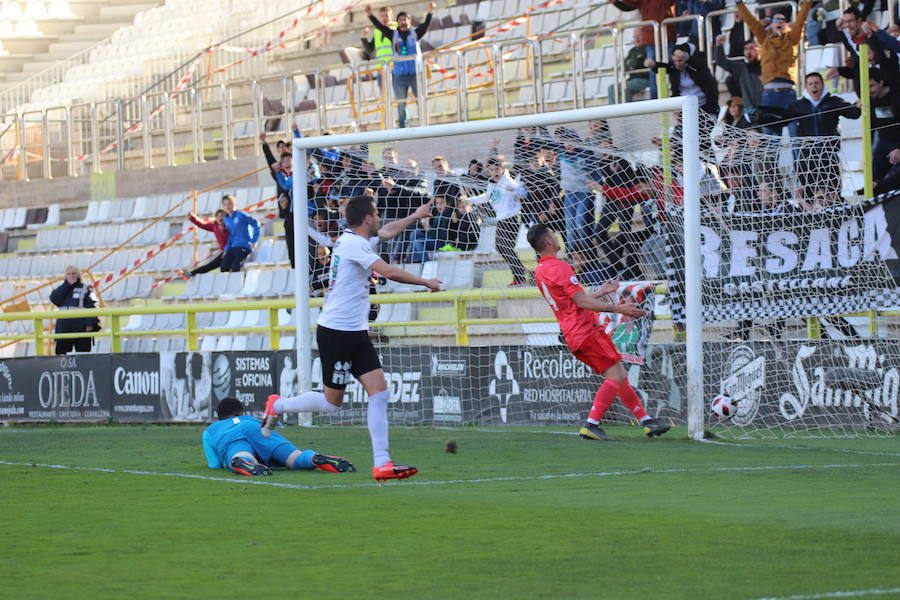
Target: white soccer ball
<point>724,407</point>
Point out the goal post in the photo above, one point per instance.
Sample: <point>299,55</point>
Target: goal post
<point>686,106</point>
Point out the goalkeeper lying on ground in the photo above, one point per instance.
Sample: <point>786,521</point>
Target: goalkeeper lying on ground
<point>236,443</point>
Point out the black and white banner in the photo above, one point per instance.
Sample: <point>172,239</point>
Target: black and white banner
<point>247,376</point>
<point>187,385</point>
<point>137,394</point>
<point>406,370</point>
<point>58,388</point>
<point>776,385</point>
<point>804,385</point>
<point>833,261</point>
<point>546,384</point>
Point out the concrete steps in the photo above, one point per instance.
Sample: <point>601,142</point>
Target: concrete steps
<point>94,30</point>
<point>123,12</point>
<point>29,45</point>
<point>59,26</point>
<point>94,22</point>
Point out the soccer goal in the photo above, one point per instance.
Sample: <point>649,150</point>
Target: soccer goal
<point>739,245</point>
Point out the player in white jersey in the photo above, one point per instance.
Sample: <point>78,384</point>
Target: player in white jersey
<point>343,337</point>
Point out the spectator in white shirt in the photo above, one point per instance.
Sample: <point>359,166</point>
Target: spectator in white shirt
<point>505,194</point>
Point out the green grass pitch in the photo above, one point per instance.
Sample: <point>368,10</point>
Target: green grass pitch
<point>515,513</point>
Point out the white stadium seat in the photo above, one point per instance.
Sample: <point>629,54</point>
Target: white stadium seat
<point>392,286</point>
<point>458,274</point>
<point>394,312</point>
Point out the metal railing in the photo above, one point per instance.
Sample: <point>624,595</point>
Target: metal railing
<point>158,69</point>
<point>701,33</point>
<point>458,323</point>
<point>580,41</point>
<point>36,326</point>
<point>207,121</point>
<point>620,50</point>
<point>22,92</point>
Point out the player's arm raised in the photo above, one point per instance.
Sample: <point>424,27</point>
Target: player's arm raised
<point>582,300</point>
<point>395,228</point>
<point>397,274</point>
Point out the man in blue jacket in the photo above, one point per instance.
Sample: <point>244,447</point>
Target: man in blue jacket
<point>578,165</point>
<point>243,232</point>
<point>235,442</point>
<point>405,42</point>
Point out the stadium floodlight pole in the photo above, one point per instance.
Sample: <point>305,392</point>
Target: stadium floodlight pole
<point>303,335</point>
<point>691,161</point>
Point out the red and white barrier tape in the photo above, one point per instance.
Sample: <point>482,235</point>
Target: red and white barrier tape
<point>13,153</point>
<point>506,27</point>
<point>265,47</point>
<point>511,23</point>
<point>278,40</point>
<point>182,84</point>
<point>177,274</point>
<point>449,75</point>
<point>128,269</point>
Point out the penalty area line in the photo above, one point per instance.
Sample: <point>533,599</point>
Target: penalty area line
<point>298,486</point>
<point>842,594</point>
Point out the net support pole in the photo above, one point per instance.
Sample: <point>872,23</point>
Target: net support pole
<point>662,91</point>
<point>303,336</point>
<point>866,105</point>
<point>690,123</point>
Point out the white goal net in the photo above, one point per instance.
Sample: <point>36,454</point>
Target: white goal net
<point>795,267</point>
<point>782,253</point>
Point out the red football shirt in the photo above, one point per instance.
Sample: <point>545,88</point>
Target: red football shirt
<point>557,282</point>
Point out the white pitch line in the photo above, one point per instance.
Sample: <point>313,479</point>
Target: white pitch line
<point>507,430</point>
<point>705,440</point>
<point>417,482</point>
<point>840,450</point>
<point>847,594</point>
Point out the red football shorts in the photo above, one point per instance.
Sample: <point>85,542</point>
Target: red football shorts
<point>598,352</point>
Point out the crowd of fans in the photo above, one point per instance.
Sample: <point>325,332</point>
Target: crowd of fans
<point>554,177</point>
<point>551,177</point>
<point>762,71</point>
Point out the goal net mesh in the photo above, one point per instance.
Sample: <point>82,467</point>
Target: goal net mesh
<point>785,254</point>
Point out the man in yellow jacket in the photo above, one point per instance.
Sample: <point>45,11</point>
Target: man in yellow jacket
<point>778,55</point>
<point>380,46</point>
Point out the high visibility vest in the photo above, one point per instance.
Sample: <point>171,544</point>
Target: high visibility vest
<point>383,45</point>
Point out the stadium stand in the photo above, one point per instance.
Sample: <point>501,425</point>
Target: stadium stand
<point>153,38</point>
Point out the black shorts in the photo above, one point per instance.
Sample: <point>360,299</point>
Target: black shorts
<point>343,353</point>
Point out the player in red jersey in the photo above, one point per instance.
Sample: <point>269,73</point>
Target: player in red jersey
<point>576,311</point>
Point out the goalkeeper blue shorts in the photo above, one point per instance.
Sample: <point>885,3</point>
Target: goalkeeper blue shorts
<point>247,437</point>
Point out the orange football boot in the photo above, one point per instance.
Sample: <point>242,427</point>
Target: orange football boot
<point>270,417</point>
<point>391,471</point>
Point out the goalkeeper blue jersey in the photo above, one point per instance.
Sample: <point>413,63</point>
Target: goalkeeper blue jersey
<point>223,438</point>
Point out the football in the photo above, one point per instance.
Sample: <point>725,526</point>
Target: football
<point>723,406</point>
